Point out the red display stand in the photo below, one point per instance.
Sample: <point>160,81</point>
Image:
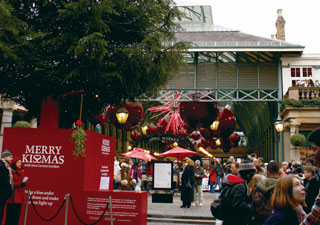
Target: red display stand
<point>53,172</point>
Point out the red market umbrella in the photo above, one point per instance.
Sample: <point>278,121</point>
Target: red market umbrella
<point>178,152</point>
<point>139,153</point>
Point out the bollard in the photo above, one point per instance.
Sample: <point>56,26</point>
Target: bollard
<point>110,206</point>
<point>66,210</point>
<point>26,209</point>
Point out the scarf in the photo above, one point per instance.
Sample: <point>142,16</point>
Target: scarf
<point>6,164</point>
<point>300,212</point>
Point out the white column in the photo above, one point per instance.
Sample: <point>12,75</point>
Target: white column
<point>286,144</point>
<point>294,151</point>
<point>6,122</point>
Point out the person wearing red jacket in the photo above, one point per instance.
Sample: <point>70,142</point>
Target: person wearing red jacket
<point>212,176</point>
<point>15,203</point>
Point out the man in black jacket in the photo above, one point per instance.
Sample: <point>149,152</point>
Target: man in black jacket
<point>236,202</point>
<point>6,180</point>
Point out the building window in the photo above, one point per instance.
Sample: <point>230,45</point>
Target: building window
<point>299,75</point>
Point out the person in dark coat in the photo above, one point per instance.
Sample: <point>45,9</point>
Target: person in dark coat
<point>6,180</point>
<point>14,204</point>
<point>312,185</point>
<point>287,200</point>
<point>238,201</point>
<point>188,181</point>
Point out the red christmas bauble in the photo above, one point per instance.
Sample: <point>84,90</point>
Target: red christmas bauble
<point>152,129</point>
<point>135,135</point>
<point>198,114</point>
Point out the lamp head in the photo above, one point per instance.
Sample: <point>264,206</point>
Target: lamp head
<point>122,115</point>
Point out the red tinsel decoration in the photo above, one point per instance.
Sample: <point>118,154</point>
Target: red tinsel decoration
<point>172,117</point>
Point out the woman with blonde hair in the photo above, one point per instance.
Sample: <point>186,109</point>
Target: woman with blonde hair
<point>255,180</point>
<point>187,187</point>
<point>287,201</point>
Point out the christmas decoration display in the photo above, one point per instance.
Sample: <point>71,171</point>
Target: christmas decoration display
<point>203,124</point>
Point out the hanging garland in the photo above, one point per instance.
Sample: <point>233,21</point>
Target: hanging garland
<point>79,139</point>
<point>161,137</point>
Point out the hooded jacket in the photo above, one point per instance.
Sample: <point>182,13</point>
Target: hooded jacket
<point>261,196</point>
<point>236,200</point>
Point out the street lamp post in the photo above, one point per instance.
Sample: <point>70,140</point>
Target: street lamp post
<point>279,125</point>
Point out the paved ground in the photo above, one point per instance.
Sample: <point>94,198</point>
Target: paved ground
<point>173,210</point>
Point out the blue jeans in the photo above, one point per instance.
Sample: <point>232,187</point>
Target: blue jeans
<point>212,187</point>
<point>218,182</point>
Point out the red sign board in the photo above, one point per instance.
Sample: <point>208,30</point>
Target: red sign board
<point>53,172</point>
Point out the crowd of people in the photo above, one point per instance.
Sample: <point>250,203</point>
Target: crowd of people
<point>255,192</point>
<point>12,188</point>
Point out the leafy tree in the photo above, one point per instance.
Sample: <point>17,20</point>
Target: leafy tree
<point>113,49</point>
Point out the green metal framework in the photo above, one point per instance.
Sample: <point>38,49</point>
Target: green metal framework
<point>255,108</point>
<point>220,95</point>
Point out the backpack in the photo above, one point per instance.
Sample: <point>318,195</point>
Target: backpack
<point>261,203</point>
<point>220,204</point>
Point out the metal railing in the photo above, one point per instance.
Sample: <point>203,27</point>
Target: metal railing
<point>65,202</point>
<point>210,95</point>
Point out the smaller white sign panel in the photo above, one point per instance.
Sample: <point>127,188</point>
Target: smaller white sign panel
<point>162,176</point>
<point>104,183</point>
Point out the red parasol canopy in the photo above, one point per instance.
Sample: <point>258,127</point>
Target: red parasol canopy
<point>178,152</point>
<point>139,153</point>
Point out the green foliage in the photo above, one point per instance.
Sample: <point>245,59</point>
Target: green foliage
<point>113,49</point>
<point>298,140</point>
<point>299,103</point>
<point>22,124</point>
<point>79,139</point>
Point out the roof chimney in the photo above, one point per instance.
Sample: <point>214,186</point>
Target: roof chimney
<point>280,26</point>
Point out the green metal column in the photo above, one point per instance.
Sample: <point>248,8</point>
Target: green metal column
<point>258,76</point>
<point>196,57</point>
<point>280,96</point>
<point>237,71</point>
<point>217,70</point>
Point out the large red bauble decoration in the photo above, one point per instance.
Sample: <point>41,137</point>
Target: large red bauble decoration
<point>101,118</point>
<point>195,135</point>
<point>227,124</point>
<point>135,111</point>
<point>135,135</point>
<point>198,114</point>
<point>152,129</point>
<point>234,140</point>
<point>225,145</point>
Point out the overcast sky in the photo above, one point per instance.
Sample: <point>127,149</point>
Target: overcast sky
<point>258,17</point>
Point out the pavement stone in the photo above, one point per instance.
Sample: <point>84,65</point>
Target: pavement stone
<point>173,209</point>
